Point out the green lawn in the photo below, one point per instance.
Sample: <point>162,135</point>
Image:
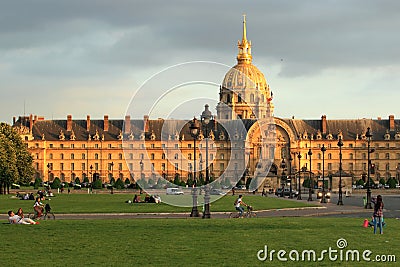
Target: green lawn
<point>107,203</point>
<point>189,242</point>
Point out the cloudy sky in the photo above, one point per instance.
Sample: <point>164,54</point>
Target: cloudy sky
<point>339,58</point>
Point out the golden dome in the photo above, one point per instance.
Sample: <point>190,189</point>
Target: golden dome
<point>244,74</point>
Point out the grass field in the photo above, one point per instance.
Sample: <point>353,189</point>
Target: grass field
<point>107,203</point>
<point>190,242</point>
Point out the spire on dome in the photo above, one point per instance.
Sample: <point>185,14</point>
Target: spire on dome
<point>244,55</point>
<point>244,36</point>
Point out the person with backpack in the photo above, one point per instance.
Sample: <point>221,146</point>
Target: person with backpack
<point>238,205</point>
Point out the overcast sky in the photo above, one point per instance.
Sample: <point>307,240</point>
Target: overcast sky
<point>338,58</point>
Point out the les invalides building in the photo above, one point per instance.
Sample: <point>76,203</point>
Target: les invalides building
<point>245,141</point>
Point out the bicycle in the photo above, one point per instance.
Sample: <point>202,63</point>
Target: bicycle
<point>248,214</point>
<point>47,215</point>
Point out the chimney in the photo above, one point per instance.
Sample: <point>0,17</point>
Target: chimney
<point>323,124</point>
<point>105,122</point>
<point>88,123</point>
<point>146,123</point>
<point>30,123</point>
<point>69,123</point>
<point>127,124</point>
<point>391,123</point>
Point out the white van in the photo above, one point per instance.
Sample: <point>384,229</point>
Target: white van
<point>174,191</point>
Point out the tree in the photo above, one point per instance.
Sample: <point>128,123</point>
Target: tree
<point>56,183</point>
<point>16,163</point>
<point>119,184</point>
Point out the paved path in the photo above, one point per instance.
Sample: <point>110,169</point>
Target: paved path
<point>328,209</point>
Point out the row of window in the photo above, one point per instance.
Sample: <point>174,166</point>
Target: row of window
<point>119,167</point>
<point>142,146</point>
<point>351,156</point>
<point>141,156</point>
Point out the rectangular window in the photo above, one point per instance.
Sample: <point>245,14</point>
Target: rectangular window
<point>83,166</point>
<point>109,146</point>
<point>120,166</point>
<point>163,145</point>
<point>83,146</point>
<point>189,145</point>
<point>72,146</point>
<point>351,167</point>
<point>176,166</point>
<point>176,146</point>
<point>62,166</point>
<point>72,166</point>
<point>96,145</point>
<point>152,146</point>
<point>329,166</point>
<point>319,166</point>
<point>221,167</point>
<point>163,166</point>
<point>96,166</point>
<point>50,145</point>
<point>130,166</point>
<point>61,145</point>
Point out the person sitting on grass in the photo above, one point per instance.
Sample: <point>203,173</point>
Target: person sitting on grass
<point>15,219</point>
<point>238,206</point>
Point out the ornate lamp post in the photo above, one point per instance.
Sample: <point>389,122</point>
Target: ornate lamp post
<point>206,117</point>
<point>141,169</point>
<point>340,144</point>
<point>91,172</point>
<point>283,177</point>
<point>311,183</point>
<point>194,131</point>
<point>48,172</point>
<point>290,176</point>
<point>368,135</point>
<point>323,149</point>
<point>299,195</point>
<point>112,169</point>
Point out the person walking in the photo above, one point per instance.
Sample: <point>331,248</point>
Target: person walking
<point>378,213</point>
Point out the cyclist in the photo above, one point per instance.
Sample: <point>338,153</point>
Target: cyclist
<point>38,207</point>
<point>238,206</point>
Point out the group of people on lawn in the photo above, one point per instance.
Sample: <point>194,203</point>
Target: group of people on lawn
<point>19,218</point>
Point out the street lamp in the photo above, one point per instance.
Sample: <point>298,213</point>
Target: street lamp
<point>323,149</point>
<point>194,132</point>
<point>112,169</point>
<point>290,176</point>
<point>368,135</point>
<point>311,183</point>
<point>206,117</point>
<point>48,172</point>
<point>283,178</point>
<point>91,171</point>
<point>141,169</point>
<point>340,144</point>
<point>299,195</point>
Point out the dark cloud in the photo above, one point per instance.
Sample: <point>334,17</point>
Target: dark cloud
<point>55,45</point>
